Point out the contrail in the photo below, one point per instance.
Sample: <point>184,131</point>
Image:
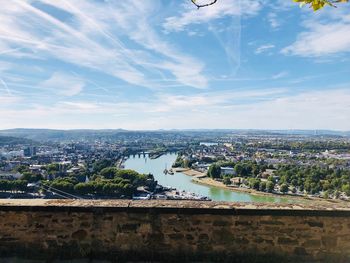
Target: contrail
<point>10,50</point>
<point>231,42</point>
<point>6,87</point>
<point>90,81</point>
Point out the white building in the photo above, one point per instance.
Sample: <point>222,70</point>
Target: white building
<point>227,171</point>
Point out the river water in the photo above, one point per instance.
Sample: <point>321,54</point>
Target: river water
<point>180,181</point>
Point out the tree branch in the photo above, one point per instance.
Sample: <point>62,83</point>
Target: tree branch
<point>199,6</point>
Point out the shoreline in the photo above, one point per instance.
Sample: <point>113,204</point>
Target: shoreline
<point>202,178</point>
<point>191,172</point>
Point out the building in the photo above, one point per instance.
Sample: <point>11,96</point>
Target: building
<point>9,176</point>
<point>29,151</point>
<point>227,171</point>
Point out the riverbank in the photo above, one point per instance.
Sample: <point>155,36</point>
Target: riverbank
<point>203,179</point>
<point>191,172</point>
<point>182,180</point>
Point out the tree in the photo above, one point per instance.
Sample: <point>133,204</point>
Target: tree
<point>318,4</point>
<point>326,194</point>
<point>284,188</point>
<point>254,183</point>
<point>22,168</point>
<point>4,185</point>
<point>315,4</point>
<point>109,172</point>
<point>336,194</point>
<point>227,180</point>
<point>100,164</point>
<point>186,163</point>
<point>52,168</point>
<point>239,169</point>
<point>84,188</point>
<point>19,185</point>
<point>31,178</point>
<point>270,186</point>
<point>129,175</point>
<point>346,189</point>
<point>214,171</point>
<point>262,186</point>
<point>63,185</point>
<point>16,185</point>
<point>128,190</point>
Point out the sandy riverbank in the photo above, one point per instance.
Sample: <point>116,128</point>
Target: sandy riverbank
<point>189,172</point>
<point>194,173</point>
<point>202,178</point>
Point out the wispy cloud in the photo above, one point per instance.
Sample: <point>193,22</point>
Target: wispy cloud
<point>324,35</point>
<point>264,48</point>
<point>321,40</point>
<point>6,88</point>
<point>6,100</point>
<point>139,64</point>
<point>191,16</point>
<point>63,84</point>
<point>101,43</point>
<point>274,20</point>
<point>280,75</point>
<point>267,109</point>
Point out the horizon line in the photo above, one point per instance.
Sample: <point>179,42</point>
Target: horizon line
<point>175,129</point>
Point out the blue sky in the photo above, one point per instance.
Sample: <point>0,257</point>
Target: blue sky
<point>155,64</point>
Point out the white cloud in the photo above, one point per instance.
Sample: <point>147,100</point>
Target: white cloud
<point>321,40</point>
<point>63,84</point>
<point>79,106</point>
<point>264,48</point>
<point>273,20</point>
<point>282,5</point>
<point>280,75</point>
<point>191,16</point>
<point>309,110</point>
<point>326,33</point>
<point>114,38</point>
<point>265,109</point>
<point>9,100</point>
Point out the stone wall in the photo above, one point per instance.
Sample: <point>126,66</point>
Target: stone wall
<point>173,231</point>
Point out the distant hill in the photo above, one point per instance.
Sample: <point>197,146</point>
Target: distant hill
<point>58,135</point>
<point>314,132</point>
<point>7,140</point>
<point>112,134</point>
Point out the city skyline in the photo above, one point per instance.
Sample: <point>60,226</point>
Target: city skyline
<point>166,65</point>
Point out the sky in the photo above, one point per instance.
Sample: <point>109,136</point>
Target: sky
<point>163,64</point>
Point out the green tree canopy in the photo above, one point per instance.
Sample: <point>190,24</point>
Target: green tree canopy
<point>214,171</point>
<point>318,4</point>
<point>227,180</point>
<point>270,186</point>
<point>109,172</point>
<point>31,178</point>
<point>284,188</point>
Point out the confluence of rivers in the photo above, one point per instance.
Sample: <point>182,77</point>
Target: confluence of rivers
<point>143,164</point>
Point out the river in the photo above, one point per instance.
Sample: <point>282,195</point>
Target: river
<point>180,181</point>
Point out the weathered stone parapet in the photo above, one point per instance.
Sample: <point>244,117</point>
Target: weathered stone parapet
<point>173,230</point>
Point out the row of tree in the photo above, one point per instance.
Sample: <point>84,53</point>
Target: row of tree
<point>241,168</point>
<point>303,145</point>
<point>13,186</point>
<point>110,181</point>
<point>312,179</point>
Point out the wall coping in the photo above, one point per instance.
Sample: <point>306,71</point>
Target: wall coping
<point>172,207</point>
